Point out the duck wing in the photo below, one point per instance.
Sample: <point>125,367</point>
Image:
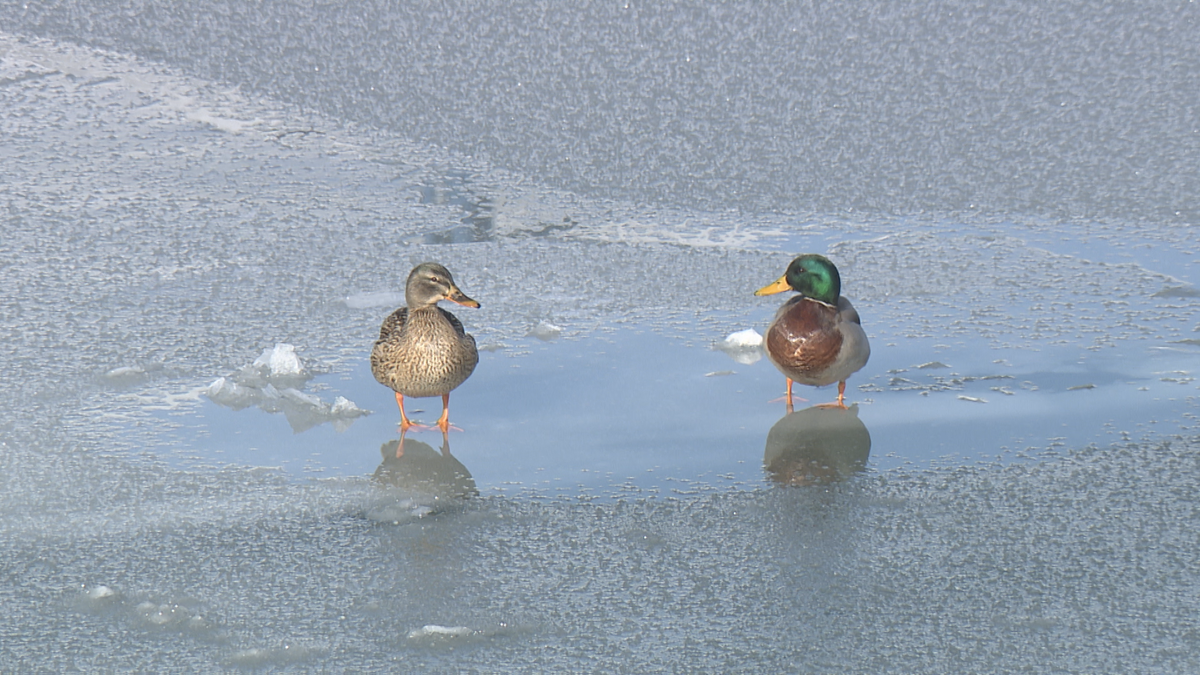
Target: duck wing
<point>394,323</point>
<point>847,311</point>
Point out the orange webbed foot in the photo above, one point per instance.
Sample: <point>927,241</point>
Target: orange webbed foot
<point>836,404</point>
<point>443,422</point>
<point>841,399</point>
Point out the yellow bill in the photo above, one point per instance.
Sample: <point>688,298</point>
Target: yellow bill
<point>778,286</point>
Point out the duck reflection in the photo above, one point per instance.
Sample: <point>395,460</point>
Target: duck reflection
<point>419,468</point>
<point>817,445</point>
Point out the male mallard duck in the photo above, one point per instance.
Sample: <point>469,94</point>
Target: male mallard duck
<point>816,338</point>
<point>422,349</point>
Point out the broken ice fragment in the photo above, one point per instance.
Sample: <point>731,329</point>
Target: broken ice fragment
<point>743,338</point>
<point>230,394</point>
<point>272,400</point>
<point>439,631</point>
<point>744,346</point>
<point>272,383</point>
<point>344,407</point>
<point>100,593</point>
<point>282,360</point>
<point>546,331</point>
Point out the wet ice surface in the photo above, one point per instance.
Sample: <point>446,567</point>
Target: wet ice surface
<point>622,409</point>
<point>1020,458</point>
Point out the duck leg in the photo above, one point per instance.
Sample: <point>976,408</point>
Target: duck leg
<point>788,397</point>
<point>841,399</point>
<point>405,423</point>
<point>443,422</point>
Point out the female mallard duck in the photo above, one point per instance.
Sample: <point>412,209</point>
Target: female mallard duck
<point>816,337</point>
<point>422,349</point>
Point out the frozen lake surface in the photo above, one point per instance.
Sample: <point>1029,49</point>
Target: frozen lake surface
<point>188,191</point>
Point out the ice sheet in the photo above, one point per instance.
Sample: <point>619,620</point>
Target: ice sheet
<point>1029,406</point>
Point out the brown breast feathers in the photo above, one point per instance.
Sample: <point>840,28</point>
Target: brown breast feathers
<point>805,337</point>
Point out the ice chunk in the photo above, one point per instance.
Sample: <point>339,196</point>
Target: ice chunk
<point>303,400</point>
<point>344,407</point>
<point>303,411</point>
<point>124,372</point>
<point>743,338</point>
<point>343,412</point>
<point>744,346</point>
<point>251,376</point>
<point>433,630</point>
<point>272,383</point>
<point>100,592</point>
<point>272,400</point>
<point>126,376</point>
<point>281,361</point>
<point>224,391</point>
<point>546,331</point>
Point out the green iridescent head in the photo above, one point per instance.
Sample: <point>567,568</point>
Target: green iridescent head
<point>813,276</point>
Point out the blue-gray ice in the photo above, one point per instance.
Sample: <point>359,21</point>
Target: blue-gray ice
<point>208,208</point>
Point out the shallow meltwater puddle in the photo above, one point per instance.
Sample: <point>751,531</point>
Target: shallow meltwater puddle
<point>639,410</point>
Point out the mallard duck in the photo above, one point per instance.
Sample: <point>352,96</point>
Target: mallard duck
<point>422,349</point>
<point>816,338</point>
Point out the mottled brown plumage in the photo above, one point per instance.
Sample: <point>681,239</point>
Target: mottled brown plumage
<point>422,349</point>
